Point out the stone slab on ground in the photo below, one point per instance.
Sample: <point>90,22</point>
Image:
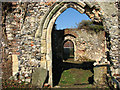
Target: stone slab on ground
<point>39,76</point>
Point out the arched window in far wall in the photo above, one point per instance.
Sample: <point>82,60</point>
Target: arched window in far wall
<point>68,50</point>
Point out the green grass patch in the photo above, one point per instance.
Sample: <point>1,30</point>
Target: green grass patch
<point>67,78</point>
<point>75,76</point>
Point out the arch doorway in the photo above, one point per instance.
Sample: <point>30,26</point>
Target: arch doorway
<point>68,50</point>
<point>47,27</point>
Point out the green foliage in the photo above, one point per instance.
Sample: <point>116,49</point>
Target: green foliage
<point>89,25</point>
<point>96,27</point>
<point>75,76</point>
<point>84,23</point>
<point>67,78</point>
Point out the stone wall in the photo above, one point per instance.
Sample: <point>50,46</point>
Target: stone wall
<point>28,27</point>
<point>20,26</point>
<point>0,45</point>
<point>111,22</point>
<point>88,45</point>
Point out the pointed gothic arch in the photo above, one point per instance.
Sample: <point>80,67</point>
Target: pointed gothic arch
<point>72,39</point>
<point>48,21</point>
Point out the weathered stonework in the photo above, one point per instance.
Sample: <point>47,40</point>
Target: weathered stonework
<point>88,45</point>
<point>29,28</point>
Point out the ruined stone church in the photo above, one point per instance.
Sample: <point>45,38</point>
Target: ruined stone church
<point>29,40</point>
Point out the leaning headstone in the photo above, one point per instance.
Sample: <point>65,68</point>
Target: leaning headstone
<point>38,77</point>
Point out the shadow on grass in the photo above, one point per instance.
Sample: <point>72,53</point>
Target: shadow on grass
<point>82,84</point>
<point>60,67</point>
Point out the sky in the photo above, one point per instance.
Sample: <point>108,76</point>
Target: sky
<point>69,18</point>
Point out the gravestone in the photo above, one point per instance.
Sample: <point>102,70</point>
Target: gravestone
<point>38,77</point>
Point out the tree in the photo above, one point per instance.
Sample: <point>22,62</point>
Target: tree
<point>84,23</point>
<point>89,25</point>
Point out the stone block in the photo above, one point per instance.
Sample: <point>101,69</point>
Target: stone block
<point>15,64</point>
<point>81,10</point>
<point>10,36</point>
<point>99,72</point>
<point>27,80</point>
<point>43,50</point>
<point>43,46</point>
<point>43,37</point>
<point>38,77</point>
<point>49,65</point>
<point>82,4</point>
<point>32,19</point>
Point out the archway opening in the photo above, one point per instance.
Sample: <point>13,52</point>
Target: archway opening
<point>67,73</point>
<point>97,15</point>
<point>68,50</point>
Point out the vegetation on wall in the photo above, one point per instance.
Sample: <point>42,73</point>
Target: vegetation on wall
<point>89,25</point>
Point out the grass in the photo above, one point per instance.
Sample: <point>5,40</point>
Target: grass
<point>74,76</point>
<point>67,78</point>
